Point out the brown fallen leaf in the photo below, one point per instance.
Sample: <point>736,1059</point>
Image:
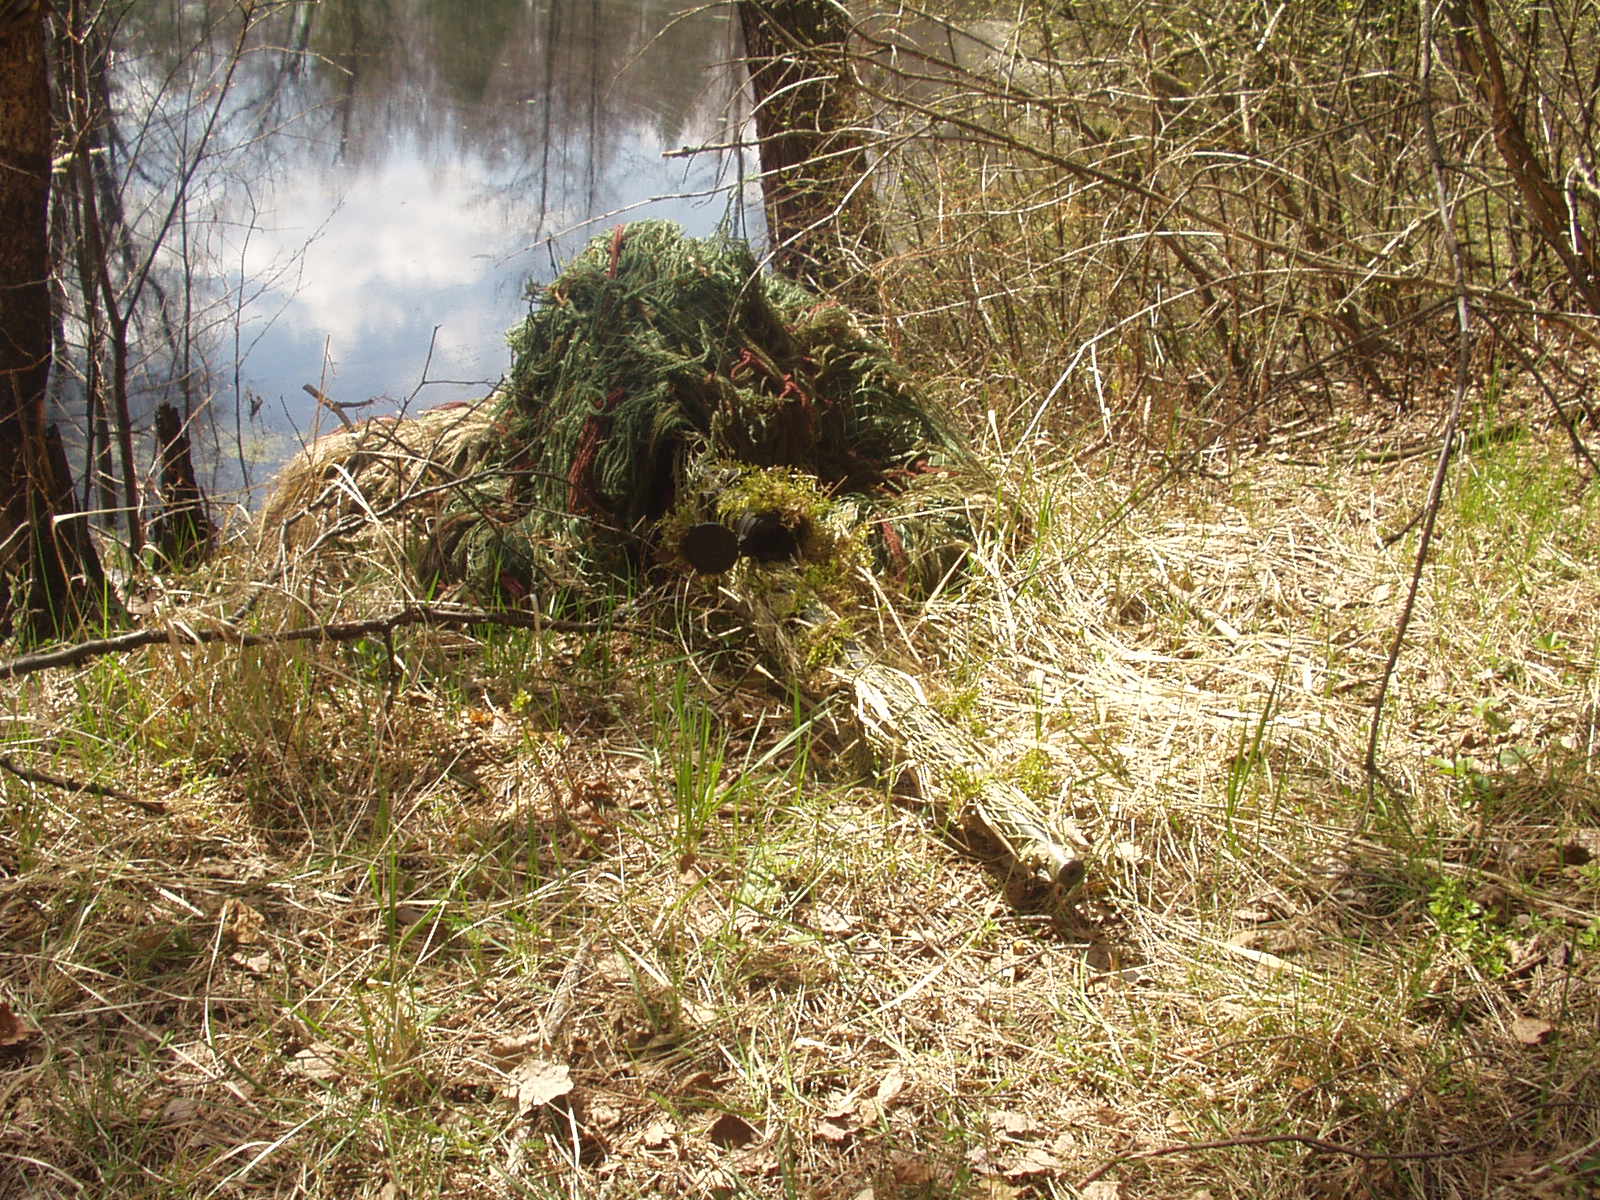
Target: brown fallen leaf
<point>911,1171</point>
<point>537,1082</point>
<point>1033,1163</point>
<point>890,1087</point>
<point>833,1131</point>
<point>1013,1123</point>
<point>1531,1031</point>
<point>658,1135</point>
<point>256,964</point>
<point>842,1106</point>
<point>731,1130</point>
<point>981,1159</point>
<point>241,924</point>
<point>13,1029</point>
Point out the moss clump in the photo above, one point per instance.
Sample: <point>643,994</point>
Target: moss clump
<point>1035,774</point>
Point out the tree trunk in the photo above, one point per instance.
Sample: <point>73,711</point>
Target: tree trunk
<point>182,531</point>
<point>53,564</point>
<point>814,170</point>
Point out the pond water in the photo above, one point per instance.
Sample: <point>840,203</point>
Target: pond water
<point>387,176</point>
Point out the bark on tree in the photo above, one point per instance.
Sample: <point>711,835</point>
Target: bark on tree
<point>1546,208</point>
<point>52,560</point>
<point>182,531</point>
<point>815,171</point>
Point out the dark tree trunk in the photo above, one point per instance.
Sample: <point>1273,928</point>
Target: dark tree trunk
<point>182,532</point>
<point>57,567</point>
<point>814,168</point>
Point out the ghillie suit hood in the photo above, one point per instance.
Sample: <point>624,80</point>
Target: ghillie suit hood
<point>653,379</point>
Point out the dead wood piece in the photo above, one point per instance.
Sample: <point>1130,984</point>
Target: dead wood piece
<point>30,775</point>
<point>443,615</point>
<point>183,531</point>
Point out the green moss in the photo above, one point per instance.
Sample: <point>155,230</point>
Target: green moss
<point>962,709</point>
<point>773,489</point>
<point>826,646</point>
<point>1034,773</point>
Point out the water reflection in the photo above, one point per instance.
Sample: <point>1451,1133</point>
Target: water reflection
<point>405,166</point>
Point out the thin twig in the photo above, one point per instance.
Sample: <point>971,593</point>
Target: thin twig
<point>30,775</point>
<point>448,615</point>
<point>1430,512</point>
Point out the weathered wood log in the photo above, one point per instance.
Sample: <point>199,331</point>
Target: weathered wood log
<point>927,757</point>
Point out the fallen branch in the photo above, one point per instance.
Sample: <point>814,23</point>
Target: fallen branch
<point>29,775</point>
<point>447,615</point>
<point>937,760</point>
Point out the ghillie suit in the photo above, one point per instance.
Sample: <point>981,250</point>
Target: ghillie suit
<point>375,490</point>
<point>674,413</point>
<point>661,372</point>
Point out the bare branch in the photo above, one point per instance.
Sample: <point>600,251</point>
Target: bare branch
<point>445,615</point>
<point>30,775</point>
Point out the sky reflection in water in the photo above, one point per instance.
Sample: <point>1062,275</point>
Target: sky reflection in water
<point>426,169</point>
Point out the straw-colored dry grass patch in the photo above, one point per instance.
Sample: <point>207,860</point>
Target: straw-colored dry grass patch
<point>511,913</point>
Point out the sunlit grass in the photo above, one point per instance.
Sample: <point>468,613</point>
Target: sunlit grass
<point>323,969</point>
<point>394,873</point>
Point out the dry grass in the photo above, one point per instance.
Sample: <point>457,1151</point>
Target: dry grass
<point>389,886</point>
<point>354,477</point>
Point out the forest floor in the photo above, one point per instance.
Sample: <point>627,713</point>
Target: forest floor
<point>527,914</point>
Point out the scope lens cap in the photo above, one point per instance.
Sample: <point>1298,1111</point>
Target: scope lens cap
<point>710,548</point>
